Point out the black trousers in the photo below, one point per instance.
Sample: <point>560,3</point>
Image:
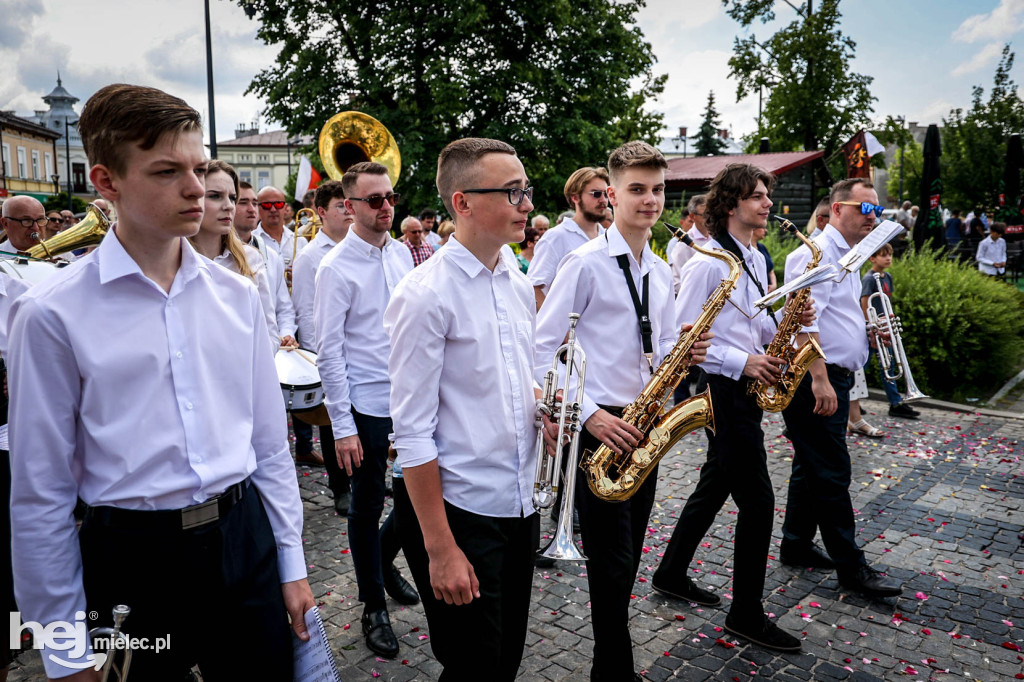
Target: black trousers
<point>215,590</point>
<point>485,638</point>
<point>736,465</point>
<point>337,479</point>
<point>613,538</point>
<point>819,487</point>
<point>364,529</point>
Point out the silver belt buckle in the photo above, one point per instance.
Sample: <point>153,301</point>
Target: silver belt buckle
<point>200,514</point>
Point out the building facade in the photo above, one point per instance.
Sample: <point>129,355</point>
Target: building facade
<point>263,159</point>
<point>73,166</point>
<point>28,153</point>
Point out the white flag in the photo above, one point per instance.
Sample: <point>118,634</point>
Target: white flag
<point>306,180</point>
<point>870,141</point>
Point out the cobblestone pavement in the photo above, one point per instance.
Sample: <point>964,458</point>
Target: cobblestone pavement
<point>939,503</point>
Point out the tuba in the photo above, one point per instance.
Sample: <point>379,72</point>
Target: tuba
<point>776,397</point>
<point>351,137</point>
<point>889,324</point>
<point>545,483</point>
<point>615,477</point>
<point>89,231</point>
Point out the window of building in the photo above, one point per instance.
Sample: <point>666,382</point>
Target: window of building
<point>35,165</point>
<point>264,179</point>
<point>21,163</point>
<point>7,159</point>
<point>263,158</point>
<point>48,162</point>
<point>245,176</point>
<point>78,175</point>
<point>245,158</point>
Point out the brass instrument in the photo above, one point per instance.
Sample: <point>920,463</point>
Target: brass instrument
<point>889,324</point>
<point>89,231</point>
<point>351,137</point>
<point>776,397</point>
<point>313,221</point>
<point>112,635</point>
<point>615,477</point>
<point>545,483</point>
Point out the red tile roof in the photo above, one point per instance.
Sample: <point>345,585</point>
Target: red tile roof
<point>698,168</point>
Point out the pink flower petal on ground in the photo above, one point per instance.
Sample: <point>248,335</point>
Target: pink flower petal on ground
<point>815,605</point>
<point>921,595</point>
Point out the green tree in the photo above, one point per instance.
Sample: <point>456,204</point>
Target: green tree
<point>913,153</point>
<point>708,143</point>
<point>974,141</point>
<point>59,202</point>
<point>564,81</point>
<point>814,100</point>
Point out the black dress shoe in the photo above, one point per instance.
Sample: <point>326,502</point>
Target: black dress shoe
<point>380,638</point>
<point>870,582</point>
<point>903,411</point>
<point>342,502</point>
<point>541,561</point>
<point>688,591</point>
<point>763,632</point>
<point>810,556</point>
<point>399,588</point>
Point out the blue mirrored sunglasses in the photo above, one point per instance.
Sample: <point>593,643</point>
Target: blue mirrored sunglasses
<point>866,207</point>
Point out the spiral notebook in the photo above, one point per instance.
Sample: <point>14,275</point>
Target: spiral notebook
<point>314,660</point>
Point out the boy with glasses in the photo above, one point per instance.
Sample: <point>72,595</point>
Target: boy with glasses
<point>585,191</point>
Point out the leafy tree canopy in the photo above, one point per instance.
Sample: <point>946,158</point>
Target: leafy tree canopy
<point>708,142</point>
<point>563,81</point>
<point>814,100</point>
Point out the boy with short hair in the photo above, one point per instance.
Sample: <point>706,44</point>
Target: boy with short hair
<point>146,386</point>
<point>622,353</point>
<point>463,404</point>
<point>992,251</point>
<point>880,262</point>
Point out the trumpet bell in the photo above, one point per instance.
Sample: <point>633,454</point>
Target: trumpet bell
<point>89,231</point>
<point>352,137</point>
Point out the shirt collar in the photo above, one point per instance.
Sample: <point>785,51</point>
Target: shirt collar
<point>324,239</point>
<point>836,237</point>
<point>366,248</point>
<point>468,262</point>
<point>696,235</point>
<point>114,261</point>
<point>617,246</point>
<point>572,226</point>
<point>3,283</point>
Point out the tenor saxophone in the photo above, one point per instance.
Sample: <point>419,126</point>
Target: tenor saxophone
<point>616,478</point>
<point>776,397</point>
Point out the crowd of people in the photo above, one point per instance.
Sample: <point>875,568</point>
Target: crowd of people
<point>143,390</point>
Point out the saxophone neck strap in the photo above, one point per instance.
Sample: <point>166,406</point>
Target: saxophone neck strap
<point>729,244</point>
<point>641,305</point>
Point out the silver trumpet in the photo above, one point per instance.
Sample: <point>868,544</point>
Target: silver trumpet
<point>546,483</point>
<point>888,324</point>
<point>111,636</point>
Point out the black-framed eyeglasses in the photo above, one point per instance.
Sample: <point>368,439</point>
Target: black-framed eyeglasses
<point>598,193</point>
<point>515,194</point>
<point>29,222</point>
<point>377,201</point>
<point>267,205</point>
<point>866,207</point>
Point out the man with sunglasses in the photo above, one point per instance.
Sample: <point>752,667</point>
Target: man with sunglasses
<point>586,190</point>
<point>816,419</point>
<point>274,213</point>
<point>23,219</point>
<point>354,283</point>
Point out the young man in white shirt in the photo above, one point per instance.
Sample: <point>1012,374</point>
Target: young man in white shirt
<point>354,283</point>
<point>992,251</point>
<point>816,419</point>
<point>738,203</point>
<point>335,220</point>
<point>188,480</point>
<point>586,191</point>
<point>463,403</point>
<point>590,282</point>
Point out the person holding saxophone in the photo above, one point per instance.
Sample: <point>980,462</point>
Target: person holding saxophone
<point>738,203</point>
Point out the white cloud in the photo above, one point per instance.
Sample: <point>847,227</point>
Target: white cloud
<point>1002,22</point>
<point>981,59</point>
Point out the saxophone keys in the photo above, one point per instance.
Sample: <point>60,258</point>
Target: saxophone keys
<point>658,436</point>
<point>605,487</point>
<point>626,482</point>
<point>641,457</point>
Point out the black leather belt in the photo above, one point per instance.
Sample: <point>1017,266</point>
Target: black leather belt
<point>195,516</point>
<point>841,371</point>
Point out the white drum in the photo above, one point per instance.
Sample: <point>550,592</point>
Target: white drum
<point>32,271</point>
<point>300,381</point>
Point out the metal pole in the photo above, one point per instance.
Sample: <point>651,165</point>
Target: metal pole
<point>67,158</point>
<point>209,84</point>
<point>288,144</point>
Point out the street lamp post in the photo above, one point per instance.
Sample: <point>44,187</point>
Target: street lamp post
<point>209,84</point>
<point>903,155</point>
<point>56,183</point>
<point>67,158</point>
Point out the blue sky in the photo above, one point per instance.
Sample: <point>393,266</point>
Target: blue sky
<point>924,54</point>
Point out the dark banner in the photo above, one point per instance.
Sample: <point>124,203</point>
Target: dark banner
<point>858,163</point>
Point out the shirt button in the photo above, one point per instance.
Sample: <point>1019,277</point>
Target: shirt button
<point>188,406</point>
<point>178,354</point>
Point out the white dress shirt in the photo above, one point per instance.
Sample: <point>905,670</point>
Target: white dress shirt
<point>133,397</point>
<point>285,247</point>
<point>682,253</point>
<point>461,363</point>
<point>10,289</point>
<point>736,335</point>
<point>989,253</point>
<point>552,248</point>
<point>432,238</point>
<point>590,282</point>
<point>304,286</point>
<point>840,324</point>
<point>353,286</point>
<point>284,311</point>
<point>259,277</point>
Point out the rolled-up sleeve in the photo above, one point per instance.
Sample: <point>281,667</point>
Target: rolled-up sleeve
<point>547,254</point>
<point>331,304</point>
<point>416,326</point>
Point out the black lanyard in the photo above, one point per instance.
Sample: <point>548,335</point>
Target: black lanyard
<point>641,307</point>
<point>729,244</point>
